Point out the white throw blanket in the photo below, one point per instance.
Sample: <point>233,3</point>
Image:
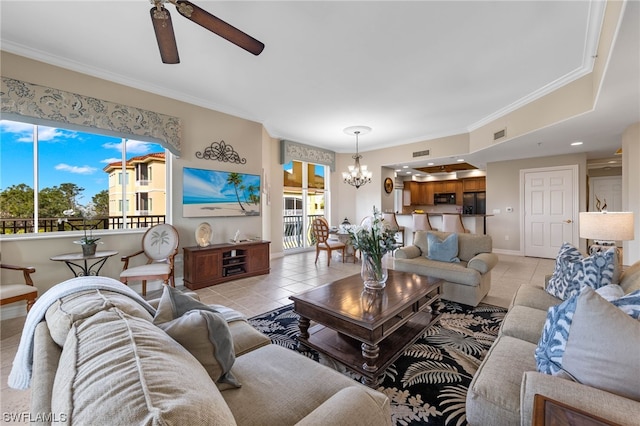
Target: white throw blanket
<point>20,376</point>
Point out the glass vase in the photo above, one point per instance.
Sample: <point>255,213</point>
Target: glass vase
<point>374,274</point>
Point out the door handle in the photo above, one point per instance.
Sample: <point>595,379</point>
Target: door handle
<point>568,221</point>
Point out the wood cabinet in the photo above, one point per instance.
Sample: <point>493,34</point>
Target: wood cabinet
<point>428,193</point>
<point>422,193</point>
<point>459,191</point>
<point>218,263</point>
<point>474,184</point>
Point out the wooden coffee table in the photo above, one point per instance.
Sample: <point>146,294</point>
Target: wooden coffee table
<point>367,331</point>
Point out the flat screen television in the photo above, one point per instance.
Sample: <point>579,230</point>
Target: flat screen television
<point>207,193</point>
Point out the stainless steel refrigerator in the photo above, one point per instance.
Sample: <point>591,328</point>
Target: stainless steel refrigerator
<point>474,203</point>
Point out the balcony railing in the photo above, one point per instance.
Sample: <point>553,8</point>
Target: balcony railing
<point>292,234</point>
<point>26,226</point>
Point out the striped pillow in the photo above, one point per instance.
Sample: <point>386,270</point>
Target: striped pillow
<point>588,340</point>
<point>573,271</point>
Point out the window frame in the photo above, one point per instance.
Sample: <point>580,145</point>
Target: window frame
<point>36,234</point>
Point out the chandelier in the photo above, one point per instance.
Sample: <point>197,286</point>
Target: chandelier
<point>358,175</point>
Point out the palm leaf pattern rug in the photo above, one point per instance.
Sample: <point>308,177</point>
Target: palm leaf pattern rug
<point>428,384</point>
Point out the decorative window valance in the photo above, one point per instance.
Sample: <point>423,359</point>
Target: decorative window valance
<point>42,105</point>
<point>297,151</point>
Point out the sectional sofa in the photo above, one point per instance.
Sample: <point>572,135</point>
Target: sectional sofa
<point>503,389</point>
<point>102,355</point>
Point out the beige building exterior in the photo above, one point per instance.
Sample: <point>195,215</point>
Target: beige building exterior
<point>145,186</point>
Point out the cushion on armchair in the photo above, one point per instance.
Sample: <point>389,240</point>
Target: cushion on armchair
<point>444,250</point>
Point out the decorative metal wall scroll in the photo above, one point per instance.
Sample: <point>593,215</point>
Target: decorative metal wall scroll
<point>221,151</point>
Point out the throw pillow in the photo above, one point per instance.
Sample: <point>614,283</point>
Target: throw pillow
<point>572,271</point>
<point>610,292</point>
<point>629,304</point>
<point>588,339</point>
<point>201,330</point>
<point>443,250</point>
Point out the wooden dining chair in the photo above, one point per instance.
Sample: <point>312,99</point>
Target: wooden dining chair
<point>320,228</point>
<point>12,292</point>
<point>159,246</point>
<point>392,222</point>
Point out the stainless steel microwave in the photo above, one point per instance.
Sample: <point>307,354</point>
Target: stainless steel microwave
<point>444,198</point>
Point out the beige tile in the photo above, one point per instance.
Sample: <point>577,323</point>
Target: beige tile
<point>289,275</point>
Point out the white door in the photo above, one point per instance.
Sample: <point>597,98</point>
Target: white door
<point>550,209</point>
<point>605,191</point>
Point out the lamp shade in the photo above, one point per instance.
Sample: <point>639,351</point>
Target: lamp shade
<point>606,226</point>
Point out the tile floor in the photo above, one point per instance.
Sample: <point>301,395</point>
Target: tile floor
<point>252,296</point>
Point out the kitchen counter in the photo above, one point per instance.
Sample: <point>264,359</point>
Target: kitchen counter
<point>475,223</point>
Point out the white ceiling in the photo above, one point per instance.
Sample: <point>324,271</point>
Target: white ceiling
<point>411,70</point>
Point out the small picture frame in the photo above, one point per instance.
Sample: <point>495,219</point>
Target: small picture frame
<point>388,185</point>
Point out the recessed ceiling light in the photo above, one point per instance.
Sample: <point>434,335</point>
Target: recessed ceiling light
<point>398,170</point>
<point>408,173</point>
<point>460,160</point>
<point>405,167</point>
<point>576,143</point>
<point>430,164</point>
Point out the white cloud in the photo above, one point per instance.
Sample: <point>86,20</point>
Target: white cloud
<point>81,170</point>
<point>133,147</point>
<point>111,160</point>
<point>25,132</point>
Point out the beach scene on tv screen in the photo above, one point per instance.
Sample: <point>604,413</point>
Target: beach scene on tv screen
<point>209,193</point>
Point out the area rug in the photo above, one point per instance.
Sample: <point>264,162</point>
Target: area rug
<point>428,384</point>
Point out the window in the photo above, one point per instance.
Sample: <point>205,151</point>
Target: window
<point>305,195</point>
<point>71,176</point>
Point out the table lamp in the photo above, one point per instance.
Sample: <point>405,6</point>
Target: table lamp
<point>605,228</point>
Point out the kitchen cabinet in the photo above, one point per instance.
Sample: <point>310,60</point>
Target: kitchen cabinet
<point>450,186</point>
<point>428,193</point>
<point>459,191</point>
<point>422,193</point>
<point>474,184</point>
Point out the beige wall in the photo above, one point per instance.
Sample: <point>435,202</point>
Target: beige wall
<point>631,188</point>
<point>503,190</point>
<point>201,127</point>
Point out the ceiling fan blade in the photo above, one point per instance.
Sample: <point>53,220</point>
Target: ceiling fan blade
<point>219,27</point>
<point>164,35</point>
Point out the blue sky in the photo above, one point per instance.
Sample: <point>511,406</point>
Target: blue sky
<point>65,157</point>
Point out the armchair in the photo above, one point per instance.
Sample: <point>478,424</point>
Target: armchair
<point>159,245</point>
<point>11,293</point>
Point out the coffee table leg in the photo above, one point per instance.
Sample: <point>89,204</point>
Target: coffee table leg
<point>303,325</point>
<point>370,354</point>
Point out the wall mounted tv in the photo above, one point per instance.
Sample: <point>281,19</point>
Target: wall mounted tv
<point>207,193</point>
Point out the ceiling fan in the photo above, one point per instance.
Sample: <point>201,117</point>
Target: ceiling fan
<point>167,40</point>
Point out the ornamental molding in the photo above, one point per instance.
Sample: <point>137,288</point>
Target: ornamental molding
<point>296,151</point>
<point>36,104</point>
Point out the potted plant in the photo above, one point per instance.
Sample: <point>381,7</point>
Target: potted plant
<point>88,241</point>
<point>374,239</point>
